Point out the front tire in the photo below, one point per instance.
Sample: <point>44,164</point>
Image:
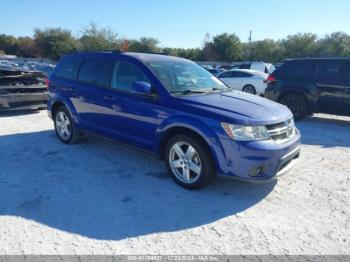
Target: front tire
<point>64,126</point>
<point>297,104</point>
<point>189,162</point>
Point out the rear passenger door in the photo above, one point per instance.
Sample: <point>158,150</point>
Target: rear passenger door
<point>333,83</point>
<point>93,83</point>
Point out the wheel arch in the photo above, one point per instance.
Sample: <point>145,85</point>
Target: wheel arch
<point>301,93</point>
<point>199,130</point>
<point>59,102</point>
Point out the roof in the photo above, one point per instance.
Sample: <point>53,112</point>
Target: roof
<point>144,57</point>
<point>317,58</point>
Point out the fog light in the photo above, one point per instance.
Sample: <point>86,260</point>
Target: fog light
<point>257,171</point>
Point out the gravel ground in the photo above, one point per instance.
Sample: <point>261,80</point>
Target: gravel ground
<point>99,197</point>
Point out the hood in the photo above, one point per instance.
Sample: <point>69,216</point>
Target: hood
<point>237,108</point>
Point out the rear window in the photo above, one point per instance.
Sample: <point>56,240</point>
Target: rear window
<point>95,71</point>
<point>68,68</point>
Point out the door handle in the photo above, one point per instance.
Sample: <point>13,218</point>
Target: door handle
<point>109,97</point>
<point>69,89</point>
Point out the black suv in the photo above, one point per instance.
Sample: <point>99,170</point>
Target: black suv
<point>308,86</point>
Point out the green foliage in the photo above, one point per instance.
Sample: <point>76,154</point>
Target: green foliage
<point>335,44</point>
<point>27,47</point>
<point>144,44</point>
<point>189,53</point>
<point>94,38</point>
<point>227,47</point>
<point>267,50</point>
<point>300,45</point>
<point>54,42</point>
<point>9,44</point>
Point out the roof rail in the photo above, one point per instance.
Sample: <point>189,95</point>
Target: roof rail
<point>94,51</point>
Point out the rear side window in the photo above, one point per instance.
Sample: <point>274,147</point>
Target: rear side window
<point>336,70</point>
<point>68,68</point>
<point>241,74</point>
<point>125,74</point>
<point>95,71</point>
<point>245,66</point>
<point>294,70</point>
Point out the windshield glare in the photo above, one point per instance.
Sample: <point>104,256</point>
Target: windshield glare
<point>177,76</point>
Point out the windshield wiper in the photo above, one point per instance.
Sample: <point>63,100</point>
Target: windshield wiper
<point>188,91</point>
<point>215,89</point>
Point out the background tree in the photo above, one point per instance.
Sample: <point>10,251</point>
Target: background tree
<point>299,45</point>
<point>94,38</point>
<point>227,47</point>
<point>27,47</point>
<point>9,44</point>
<point>267,50</point>
<point>335,44</point>
<point>144,44</point>
<point>54,42</point>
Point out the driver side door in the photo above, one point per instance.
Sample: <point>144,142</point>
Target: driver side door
<point>135,114</point>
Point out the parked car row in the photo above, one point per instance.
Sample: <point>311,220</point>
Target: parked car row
<point>35,66</point>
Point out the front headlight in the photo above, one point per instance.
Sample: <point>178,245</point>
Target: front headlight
<point>246,133</point>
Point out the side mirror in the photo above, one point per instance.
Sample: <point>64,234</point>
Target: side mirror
<point>142,87</point>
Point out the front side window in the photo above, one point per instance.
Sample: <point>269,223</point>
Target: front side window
<point>184,76</point>
<point>68,68</point>
<point>124,74</point>
<point>95,71</point>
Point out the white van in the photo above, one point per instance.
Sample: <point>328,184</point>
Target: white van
<point>257,66</point>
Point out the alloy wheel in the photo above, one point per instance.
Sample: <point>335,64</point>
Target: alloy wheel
<point>185,162</point>
<point>63,126</point>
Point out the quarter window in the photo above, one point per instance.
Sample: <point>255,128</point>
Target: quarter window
<point>335,71</point>
<point>124,75</point>
<point>68,68</point>
<point>95,71</point>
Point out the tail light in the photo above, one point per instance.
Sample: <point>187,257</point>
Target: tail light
<point>270,78</point>
<point>47,82</point>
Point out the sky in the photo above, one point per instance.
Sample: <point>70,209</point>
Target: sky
<point>179,23</point>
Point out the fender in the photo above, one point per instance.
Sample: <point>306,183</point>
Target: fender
<point>58,98</point>
<point>195,125</point>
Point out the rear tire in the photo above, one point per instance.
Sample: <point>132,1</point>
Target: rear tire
<point>64,126</point>
<point>297,104</point>
<point>249,89</point>
<point>189,162</point>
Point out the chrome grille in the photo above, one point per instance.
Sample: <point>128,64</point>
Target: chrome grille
<point>281,132</point>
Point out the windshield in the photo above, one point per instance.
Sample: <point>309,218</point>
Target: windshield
<point>185,76</point>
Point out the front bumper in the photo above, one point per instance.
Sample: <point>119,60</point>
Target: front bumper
<point>16,101</point>
<point>270,158</point>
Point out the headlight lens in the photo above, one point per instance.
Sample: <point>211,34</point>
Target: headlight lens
<point>246,133</point>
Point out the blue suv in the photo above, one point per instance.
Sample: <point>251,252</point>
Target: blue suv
<point>174,108</point>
